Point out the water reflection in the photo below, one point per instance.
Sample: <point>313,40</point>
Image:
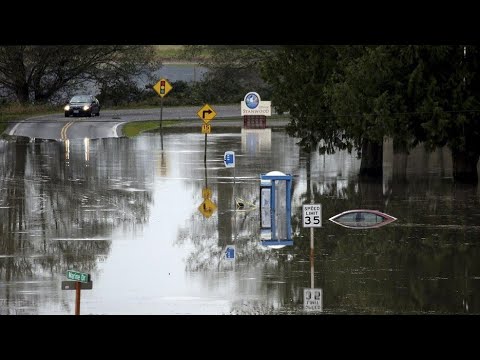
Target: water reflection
<point>57,213</point>
<point>128,214</point>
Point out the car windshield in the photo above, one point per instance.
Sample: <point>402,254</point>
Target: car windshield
<point>80,99</point>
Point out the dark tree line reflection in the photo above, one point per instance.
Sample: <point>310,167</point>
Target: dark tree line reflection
<point>426,262</point>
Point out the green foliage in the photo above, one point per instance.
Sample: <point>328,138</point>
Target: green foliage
<point>232,72</point>
<point>298,76</point>
<point>346,96</point>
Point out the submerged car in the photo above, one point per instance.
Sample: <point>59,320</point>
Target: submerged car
<point>82,105</point>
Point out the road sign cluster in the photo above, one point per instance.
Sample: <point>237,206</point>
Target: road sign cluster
<point>206,113</point>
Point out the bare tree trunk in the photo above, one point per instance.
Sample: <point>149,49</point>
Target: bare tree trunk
<point>372,159</point>
<point>21,92</point>
<point>465,167</point>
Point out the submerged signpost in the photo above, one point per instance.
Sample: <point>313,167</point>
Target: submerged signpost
<point>80,281</point>
<point>207,207</point>
<point>162,87</point>
<point>312,218</point>
<point>206,113</point>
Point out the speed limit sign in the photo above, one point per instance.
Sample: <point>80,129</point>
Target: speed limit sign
<point>312,215</point>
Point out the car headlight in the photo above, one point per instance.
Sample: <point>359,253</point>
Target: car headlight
<point>66,108</point>
<point>86,107</point>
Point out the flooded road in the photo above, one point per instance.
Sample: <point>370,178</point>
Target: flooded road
<point>127,213</point>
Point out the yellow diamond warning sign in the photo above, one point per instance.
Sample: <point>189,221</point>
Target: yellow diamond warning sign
<point>207,208</point>
<point>162,87</point>
<point>206,113</point>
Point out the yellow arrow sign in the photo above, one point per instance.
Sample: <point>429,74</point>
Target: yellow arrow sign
<point>206,113</point>
<point>162,87</point>
<point>207,208</point>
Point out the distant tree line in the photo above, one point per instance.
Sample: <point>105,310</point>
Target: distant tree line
<point>352,97</point>
<point>38,74</point>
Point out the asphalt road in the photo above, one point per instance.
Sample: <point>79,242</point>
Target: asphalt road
<point>108,124</point>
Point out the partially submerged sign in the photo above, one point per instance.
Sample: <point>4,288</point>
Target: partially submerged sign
<point>312,299</point>
<point>230,252</point>
<point>362,219</point>
<point>229,159</point>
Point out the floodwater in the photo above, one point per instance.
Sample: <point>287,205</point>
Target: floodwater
<point>127,213</point>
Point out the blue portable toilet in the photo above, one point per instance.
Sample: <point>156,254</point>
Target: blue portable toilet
<point>275,209</point>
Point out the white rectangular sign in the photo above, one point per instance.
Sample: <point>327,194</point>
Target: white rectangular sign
<point>312,299</point>
<point>263,108</point>
<point>312,215</point>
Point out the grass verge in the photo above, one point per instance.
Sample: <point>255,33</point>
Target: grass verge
<point>15,111</point>
<point>132,129</point>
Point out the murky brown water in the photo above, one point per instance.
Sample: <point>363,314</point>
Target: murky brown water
<point>127,213</point>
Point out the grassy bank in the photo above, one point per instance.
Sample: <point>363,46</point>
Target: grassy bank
<point>15,111</point>
<point>136,128</point>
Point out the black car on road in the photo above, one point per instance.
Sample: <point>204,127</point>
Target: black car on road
<point>82,105</point>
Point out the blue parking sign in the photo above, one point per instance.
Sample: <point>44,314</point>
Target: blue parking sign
<point>230,252</point>
<point>229,159</point>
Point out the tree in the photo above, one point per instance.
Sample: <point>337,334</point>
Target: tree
<point>449,77</point>
<point>298,76</point>
<point>369,96</point>
<point>232,70</point>
<point>355,96</point>
<point>39,72</point>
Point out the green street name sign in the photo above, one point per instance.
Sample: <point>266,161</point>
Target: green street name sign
<point>78,276</point>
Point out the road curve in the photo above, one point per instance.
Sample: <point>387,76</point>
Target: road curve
<point>58,127</point>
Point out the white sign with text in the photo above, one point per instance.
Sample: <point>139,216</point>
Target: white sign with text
<point>312,215</point>
<point>312,299</point>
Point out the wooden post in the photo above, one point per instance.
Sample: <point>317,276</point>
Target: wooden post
<point>77,297</point>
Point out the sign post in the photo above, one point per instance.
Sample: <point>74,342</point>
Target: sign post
<point>229,161</point>
<point>206,113</point>
<point>81,281</point>
<point>162,88</point>
<point>312,218</point>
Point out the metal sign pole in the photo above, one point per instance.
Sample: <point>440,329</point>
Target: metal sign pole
<point>205,155</point>
<point>205,167</point>
<point>311,229</point>
<point>311,259</point>
<point>77,297</point>
<point>161,120</point>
